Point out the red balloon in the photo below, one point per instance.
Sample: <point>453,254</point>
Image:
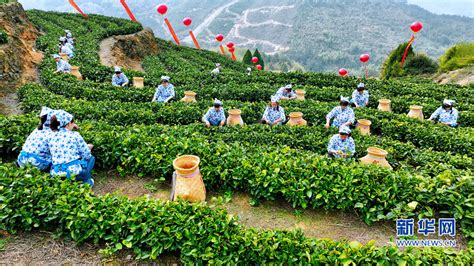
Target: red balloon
<point>364,58</point>
<point>187,22</point>
<point>220,37</point>
<point>232,49</point>
<point>254,60</point>
<point>259,67</point>
<point>343,72</point>
<point>230,45</point>
<point>416,26</point>
<point>162,9</point>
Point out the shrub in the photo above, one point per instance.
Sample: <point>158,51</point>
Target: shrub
<point>391,67</point>
<point>3,37</point>
<point>420,64</point>
<point>459,56</point>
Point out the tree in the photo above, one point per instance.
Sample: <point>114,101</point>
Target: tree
<point>260,58</point>
<point>247,59</point>
<point>391,67</point>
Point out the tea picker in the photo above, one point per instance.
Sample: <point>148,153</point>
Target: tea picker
<point>446,114</point>
<point>215,116</point>
<point>61,65</point>
<point>342,144</point>
<point>342,115</point>
<point>69,38</point>
<point>216,71</point>
<point>286,93</point>
<point>360,97</point>
<point>65,47</point>
<point>119,79</point>
<point>35,151</point>
<point>165,91</point>
<point>274,114</point>
<point>71,155</point>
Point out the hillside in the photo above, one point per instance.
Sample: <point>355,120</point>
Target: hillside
<point>320,35</point>
<point>430,173</point>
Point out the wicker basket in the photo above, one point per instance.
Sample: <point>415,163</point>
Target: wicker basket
<point>138,82</point>
<point>234,118</point>
<point>376,156</point>
<point>296,119</point>
<point>189,97</point>
<point>187,179</point>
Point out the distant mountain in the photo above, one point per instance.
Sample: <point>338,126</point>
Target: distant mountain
<point>321,35</point>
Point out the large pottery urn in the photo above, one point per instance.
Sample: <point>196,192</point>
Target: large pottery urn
<point>385,105</point>
<point>416,112</point>
<point>75,72</point>
<point>138,82</point>
<point>234,118</point>
<point>376,156</point>
<point>296,119</point>
<point>189,97</point>
<point>300,94</point>
<point>187,179</point>
<point>363,125</point>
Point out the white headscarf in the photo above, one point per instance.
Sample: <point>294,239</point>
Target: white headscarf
<point>448,102</point>
<point>344,130</point>
<point>344,99</point>
<point>117,69</point>
<point>216,101</point>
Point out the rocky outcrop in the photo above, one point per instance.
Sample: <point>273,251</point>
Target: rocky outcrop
<point>128,50</point>
<point>18,57</point>
<point>464,77</point>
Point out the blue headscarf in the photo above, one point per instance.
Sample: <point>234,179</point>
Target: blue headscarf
<point>63,117</point>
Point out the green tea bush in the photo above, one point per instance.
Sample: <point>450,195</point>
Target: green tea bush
<point>200,235</point>
<point>3,37</point>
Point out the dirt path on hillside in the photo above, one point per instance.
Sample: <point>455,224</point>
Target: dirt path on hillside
<point>107,57</point>
<point>9,104</point>
<point>128,50</point>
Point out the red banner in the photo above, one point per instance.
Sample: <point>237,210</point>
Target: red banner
<point>172,31</point>
<point>73,4</point>
<point>406,50</point>
<point>129,12</point>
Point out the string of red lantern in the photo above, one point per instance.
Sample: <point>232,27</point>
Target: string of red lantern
<point>364,58</point>
<point>219,39</point>
<point>230,46</point>
<point>127,9</point>
<point>187,22</point>
<point>415,27</point>
<point>73,4</point>
<point>162,9</point>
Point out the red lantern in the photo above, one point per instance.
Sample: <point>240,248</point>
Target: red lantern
<point>230,45</point>
<point>343,72</point>
<point>416,26</point>
<point>259,67</point>
<point>232,49</point>
<point>162,9</point>
<point>187,22</point>
<point>364,58</point>
<point>255,60</point>
<point>219,37</point>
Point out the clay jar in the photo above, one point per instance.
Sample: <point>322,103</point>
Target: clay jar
<point>138,82</point>
<point>296,119</point>
<point>416,112</point>
<point>75,72</point>
<point>189,97</point>
<point>64,57</point>
<point>300,95</point>
<point>188,183</point>
<point>234,118</point>
<point>363,125</point>
<point>376,156</point>
<point>385,105</point>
